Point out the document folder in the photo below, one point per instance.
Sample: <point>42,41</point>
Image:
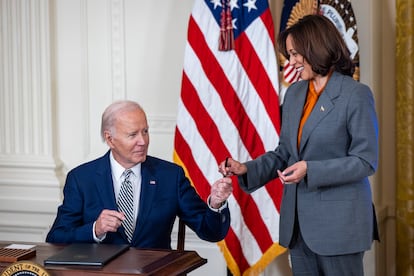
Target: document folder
<point>89,254</point>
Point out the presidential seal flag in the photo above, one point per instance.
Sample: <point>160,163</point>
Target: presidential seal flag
<point>229,106</point>
<point>340,12</point>
<point>343,17</point>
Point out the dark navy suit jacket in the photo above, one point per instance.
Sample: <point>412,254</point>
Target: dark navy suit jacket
<point>165,194</point>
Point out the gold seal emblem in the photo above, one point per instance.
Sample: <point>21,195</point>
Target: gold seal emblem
<point>24,268</point>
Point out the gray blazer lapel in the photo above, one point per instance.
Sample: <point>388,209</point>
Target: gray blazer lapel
<point>323,107</point>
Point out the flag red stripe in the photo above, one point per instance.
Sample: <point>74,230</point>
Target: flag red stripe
<point>205,125</point>
<point>263,85</point>
<point>181,146</point>
<point>246,90</point>
<point>275,189</point>
<point>290,72</point>
<point>233,244</point>
<point>219,80</point>
<point>260,79</point>
<point>268,23</point>
<point>208,130</point>
<point>237,113</point>
<point>274,97</point>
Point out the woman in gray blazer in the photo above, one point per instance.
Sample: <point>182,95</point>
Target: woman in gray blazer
<point>328,148</point>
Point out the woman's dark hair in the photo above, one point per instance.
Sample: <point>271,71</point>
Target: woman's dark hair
<point>317,39</point>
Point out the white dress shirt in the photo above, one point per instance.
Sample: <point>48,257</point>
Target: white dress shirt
<point>117,179</point>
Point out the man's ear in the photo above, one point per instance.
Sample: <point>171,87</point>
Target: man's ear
<point>108,137</point>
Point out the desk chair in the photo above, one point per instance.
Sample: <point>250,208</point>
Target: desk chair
<point>181,235</point>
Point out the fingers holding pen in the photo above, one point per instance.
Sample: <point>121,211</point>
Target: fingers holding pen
<point>108,221</point>
<point>224,167</point>
<point>230,167</point>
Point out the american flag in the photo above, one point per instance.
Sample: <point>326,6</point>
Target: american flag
<point>229,106</point>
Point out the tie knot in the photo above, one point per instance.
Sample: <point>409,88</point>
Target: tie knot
<point>127,174</point>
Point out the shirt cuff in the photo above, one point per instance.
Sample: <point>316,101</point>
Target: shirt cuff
<point>222,207</point>
<point>96,239</point>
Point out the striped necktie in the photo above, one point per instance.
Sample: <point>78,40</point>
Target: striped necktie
<point>126,204</point>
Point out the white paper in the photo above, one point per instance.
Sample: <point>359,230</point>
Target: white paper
<point>20,246</point>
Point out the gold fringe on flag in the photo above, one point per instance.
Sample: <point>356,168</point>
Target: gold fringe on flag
<point>255,269</point>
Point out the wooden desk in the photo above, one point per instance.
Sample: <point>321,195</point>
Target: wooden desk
<point>132,262</point>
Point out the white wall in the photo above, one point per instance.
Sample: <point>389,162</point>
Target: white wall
<point>63,61</point>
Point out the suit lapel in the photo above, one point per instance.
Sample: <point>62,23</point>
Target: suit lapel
<point>149,188</point>
<point>323,107</point>
<point>104,184</point>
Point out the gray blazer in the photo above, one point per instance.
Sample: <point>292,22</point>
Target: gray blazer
<point>340,145</point>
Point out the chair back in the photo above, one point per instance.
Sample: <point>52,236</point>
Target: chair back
<point>181,235</point>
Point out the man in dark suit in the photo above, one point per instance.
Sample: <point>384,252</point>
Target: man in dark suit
<point>91,209</point>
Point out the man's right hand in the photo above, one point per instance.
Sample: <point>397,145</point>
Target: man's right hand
<point>108,221</point>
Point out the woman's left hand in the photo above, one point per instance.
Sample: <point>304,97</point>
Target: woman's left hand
<point>293,174</point>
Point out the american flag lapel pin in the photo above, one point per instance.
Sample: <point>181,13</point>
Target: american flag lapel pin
<point>152,182</point>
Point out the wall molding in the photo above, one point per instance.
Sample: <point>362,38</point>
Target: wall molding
<point>164,124</point>
<point>30,174</point>
<point>117,31</point>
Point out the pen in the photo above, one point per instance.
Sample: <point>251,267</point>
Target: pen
<point>226,163</point>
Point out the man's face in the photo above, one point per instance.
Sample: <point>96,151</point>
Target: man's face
<point>130,138</point>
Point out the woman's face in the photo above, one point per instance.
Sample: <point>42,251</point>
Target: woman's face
<point>298,61</point>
